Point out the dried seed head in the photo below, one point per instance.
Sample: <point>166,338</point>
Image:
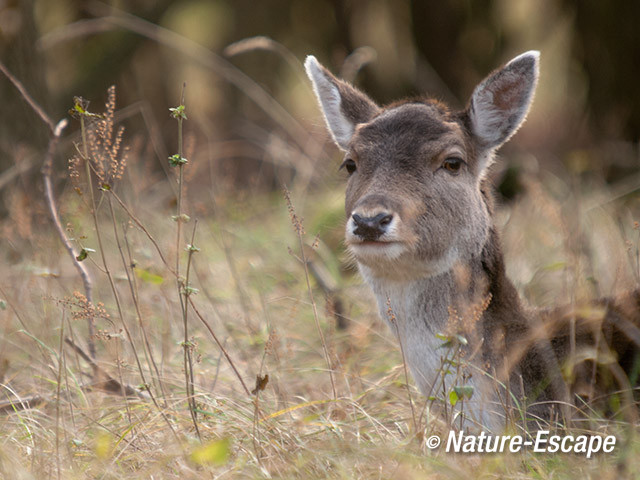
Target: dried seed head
<point>107,155</point>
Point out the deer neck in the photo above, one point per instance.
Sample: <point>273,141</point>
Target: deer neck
<point>430,300</point>
<point>418,310</point>
<point>475,299</point>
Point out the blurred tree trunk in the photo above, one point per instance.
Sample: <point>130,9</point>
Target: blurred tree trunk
<point>607,45</point>
<point>22,131</point>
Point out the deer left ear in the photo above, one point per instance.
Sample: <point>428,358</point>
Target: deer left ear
<point>501,102</point>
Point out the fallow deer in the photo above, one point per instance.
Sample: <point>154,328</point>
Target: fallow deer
<point>419,224</point>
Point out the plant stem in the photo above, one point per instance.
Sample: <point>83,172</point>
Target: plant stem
<point>222,349</point>
<point>58,383</point>
<point>297,225</point>
<point>128,332</point>
<point>183,284</point>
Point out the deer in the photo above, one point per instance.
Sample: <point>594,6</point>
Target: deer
<point>419,223</point>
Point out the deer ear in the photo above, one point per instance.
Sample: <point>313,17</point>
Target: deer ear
<point>500,103</point>
<point>343,105</point>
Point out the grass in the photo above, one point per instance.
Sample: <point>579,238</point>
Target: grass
<point>294,428</point>
<point>335,403</point>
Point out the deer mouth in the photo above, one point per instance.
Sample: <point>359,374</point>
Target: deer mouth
<point>376,250</point>
<point>357,241</point>
<point>375,243</point>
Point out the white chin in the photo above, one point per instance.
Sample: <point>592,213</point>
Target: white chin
<point>372,252</point>
<point>395,262</point>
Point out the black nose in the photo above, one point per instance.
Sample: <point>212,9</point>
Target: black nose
<point>371,228</point>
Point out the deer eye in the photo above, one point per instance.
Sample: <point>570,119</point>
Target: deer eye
<point>349,165</point>
<point>453,165</point>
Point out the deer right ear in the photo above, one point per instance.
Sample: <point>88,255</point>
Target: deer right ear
<point>343,105</point>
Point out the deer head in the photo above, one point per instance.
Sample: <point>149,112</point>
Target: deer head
<point>414,204</point>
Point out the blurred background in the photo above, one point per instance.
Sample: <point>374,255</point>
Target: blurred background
<point>586,115</point>
<point>567,187</point>
<point>253,122</point>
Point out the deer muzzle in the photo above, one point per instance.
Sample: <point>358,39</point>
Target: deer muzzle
<point>371,228</point>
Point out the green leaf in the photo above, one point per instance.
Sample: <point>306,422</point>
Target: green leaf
<point>178,112</point>
<point>453,397</point>
<point>176,160</point>
<point>184,218</point>
<point>464,391</point>
<point>148,277</point>
<point>84,253</point>
<point>80,106</point>
<point>216,453</point>
<point>190,291</point>
<point>3,305</point>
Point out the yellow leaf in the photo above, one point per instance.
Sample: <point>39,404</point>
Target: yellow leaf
<point>216,452</point>
<point>295,407</point>
<point>103,446</point>
<point>148,277</point>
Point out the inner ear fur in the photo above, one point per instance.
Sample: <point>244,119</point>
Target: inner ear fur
<point>500,103</point>
<point>342,105</point>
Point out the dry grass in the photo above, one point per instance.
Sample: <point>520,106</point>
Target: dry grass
<point>294,428</point>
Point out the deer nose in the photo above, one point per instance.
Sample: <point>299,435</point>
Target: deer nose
<point>371,228</point>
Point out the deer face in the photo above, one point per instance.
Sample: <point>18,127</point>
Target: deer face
<point>413,205</point>
<point>413,202</point>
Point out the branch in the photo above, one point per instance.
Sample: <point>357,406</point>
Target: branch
<point>47,167</point>
<point>23,91</point>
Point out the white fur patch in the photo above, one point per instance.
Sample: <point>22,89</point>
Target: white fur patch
<point>418,318</point>
<point>328,96</point>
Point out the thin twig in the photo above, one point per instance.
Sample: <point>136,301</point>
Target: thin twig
<point>222,349</point>
<point>28,98</point>
<point>82,271</point>
<point>146,232</point>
